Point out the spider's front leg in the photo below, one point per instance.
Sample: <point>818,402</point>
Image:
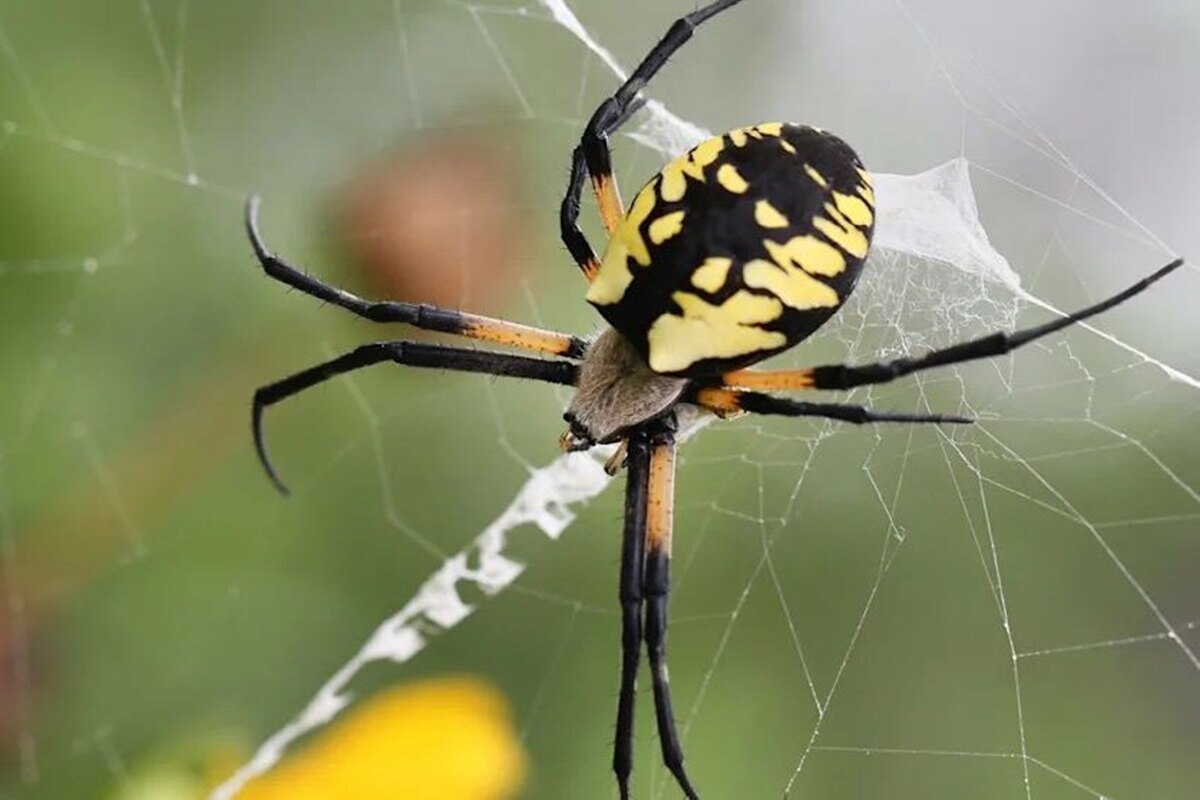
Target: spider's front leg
<point>645,587</point>
<point>633,558</point>
<point>592,156</point>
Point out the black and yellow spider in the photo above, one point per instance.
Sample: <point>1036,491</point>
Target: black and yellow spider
<point>735,251</point>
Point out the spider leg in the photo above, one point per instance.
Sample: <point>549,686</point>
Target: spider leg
<point>616,462</point>
<point>645,585</point>
<point>568,219</point>
<point>593,157</point>
<point>726,402</point>
<point>412,354</point>
<point>841,376</point>
<point>633,557</point>
<point>660,498</point>
<point>425,317</point>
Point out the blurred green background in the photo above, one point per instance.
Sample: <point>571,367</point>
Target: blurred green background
<point>840,594</point>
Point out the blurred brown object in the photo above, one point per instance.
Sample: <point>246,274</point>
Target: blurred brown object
<point>442,222</point>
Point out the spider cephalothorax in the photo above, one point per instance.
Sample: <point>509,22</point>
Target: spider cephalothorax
<point>615,391</point>
<point>736,250</point>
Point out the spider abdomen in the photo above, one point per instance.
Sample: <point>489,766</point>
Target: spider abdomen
<point>738,249</point>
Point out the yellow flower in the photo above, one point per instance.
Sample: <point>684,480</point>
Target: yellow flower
<point>440,739</point>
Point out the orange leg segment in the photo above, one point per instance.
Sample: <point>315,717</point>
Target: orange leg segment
<point>513,334</point>
<point>770,380</point>
<point>608,199</point>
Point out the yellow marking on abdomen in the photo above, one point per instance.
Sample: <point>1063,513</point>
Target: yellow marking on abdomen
<point>770,128</point>
<point>817,177</point>
<point>674,184</point>
<point>732,180</point>
<point>614,277</point>
<point>666,226</point>
<point>707,151</point>
<point>629,231</point>
<point>743,308</point>
<point>809,253</point>
<point>866,188</point>
<point>854,208</point>
<point>690,164</point>
<point>713,331</point>
<point>710,276</point>
<point>794,287</point>
<point>768,216</point>
<point>842,233</point>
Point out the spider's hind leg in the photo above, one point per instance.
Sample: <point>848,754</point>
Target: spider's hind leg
<point>659,529</point>
<point>645,586</point>
<point>633,559</point>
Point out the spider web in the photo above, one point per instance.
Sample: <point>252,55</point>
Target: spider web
<point>1003,610</point>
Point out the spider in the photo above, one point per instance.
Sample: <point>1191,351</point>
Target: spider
<point>737,250</point>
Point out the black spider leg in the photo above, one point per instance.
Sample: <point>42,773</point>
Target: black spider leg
<point>645,587</point>
<point>731,401</point>
<point>412,354</point>
<point>593,155</point>
<point>423,316</point>
<point>840,376</point>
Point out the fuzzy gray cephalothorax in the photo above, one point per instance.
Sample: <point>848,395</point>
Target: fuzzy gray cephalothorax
<point>616,390</point>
